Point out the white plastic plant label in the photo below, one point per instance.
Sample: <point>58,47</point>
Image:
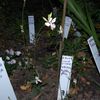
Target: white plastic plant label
<point>67,25</point>
<point>65,77</point>
<point>31,29</point>
<point>7,92</point>
<point>94,51</point>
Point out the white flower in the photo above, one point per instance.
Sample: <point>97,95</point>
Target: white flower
<point>19,63</point>
<point>22,29</point>
<point>60,30</point>
<point>7,58</point>
<point>11,52</point>
<point>54,53</point>
<point>37,80</point>
<point>13,61</point>
<point>26,62</point>
<point>74,26</point>
<point>75,81</point>
<point>17,53</point>
<point>50,22</point>
<point>7,51</point>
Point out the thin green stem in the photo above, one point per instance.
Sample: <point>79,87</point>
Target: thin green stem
<point>39,31</point>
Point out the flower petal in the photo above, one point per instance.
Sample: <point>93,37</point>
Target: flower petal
<point>18,53</point>
<point>7,58</point>
<point>54,20</point>
<point>7,51</point>
<point>53,26</point>
<point>60,30</point>
<point>47,24</point>
<point>50,20</point>
<point>11,52</point>
<point>37,80</point>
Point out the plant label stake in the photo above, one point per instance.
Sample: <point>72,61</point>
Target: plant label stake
<point>94,51</point>
<point>7,92</point>
<point>67,25</point>
<point>31,29</point>
<point>65,76</point>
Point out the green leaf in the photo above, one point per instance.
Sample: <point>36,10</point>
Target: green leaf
<point>82,20</point>
<point>92,26</point>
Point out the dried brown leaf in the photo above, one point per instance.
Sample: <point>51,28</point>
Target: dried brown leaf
<point>26,87</point>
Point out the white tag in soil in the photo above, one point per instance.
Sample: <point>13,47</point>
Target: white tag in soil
<point>65,76</point>
<point>31,29</point>
<point>94,51</point>
<point>67,25</point>
<point>7,92</point>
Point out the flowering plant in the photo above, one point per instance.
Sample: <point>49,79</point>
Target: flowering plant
<point>50,22</point>
<point>11,59</point>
